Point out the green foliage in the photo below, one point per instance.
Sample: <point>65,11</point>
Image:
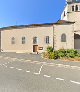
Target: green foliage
<point>49,49</point>
<point>70,53</point>
<point>62,53</point>
<point>51,55</point>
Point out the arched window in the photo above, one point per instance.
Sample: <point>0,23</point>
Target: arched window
<point>35,40</point>
<point>63,38</point>
<point>12,40</point>
<point>23,40</point>
<point>76,8</point>
<point>72,8</point>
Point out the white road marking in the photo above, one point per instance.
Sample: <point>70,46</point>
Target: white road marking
<point>18,69</point>
<point>47,76</point>
<point>35,61</point>
<point>59,79</point>
<point>60,65</point>
<point>4,65</point>
<point>27,71</point>
<point>11,67</point>
<point>40,69</point>
<point>36,73</point>
<point>75,82</point>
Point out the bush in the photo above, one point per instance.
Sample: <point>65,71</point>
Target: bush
<point>49,49</point>
<point>62,53</point>
<point>71,53</point>
<point>51,55</point>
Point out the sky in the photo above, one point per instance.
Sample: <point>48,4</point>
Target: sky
<point>23,12</point>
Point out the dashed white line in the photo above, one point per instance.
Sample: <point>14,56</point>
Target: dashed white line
<point>11,67</point>
<point>35,61</point>
<point>27,71</point>
<point>75,82</point>
<point>4,65</point>
<point>36,73</point>
<point>60,79</point>
<point>60,65</point>
<point>47,76</point>
<point>18,69</point>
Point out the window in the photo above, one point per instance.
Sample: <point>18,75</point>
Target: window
<point>76,7</point>
<point>47,39</point>
<point>63,38</point>
<point>72,8</point>
<point>23,40</point>
<point>35,40</point>
<point>12,40</point>
<point>64,13</point>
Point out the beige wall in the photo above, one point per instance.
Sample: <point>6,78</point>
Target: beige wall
<point>58,31</point>
<point>29,33</point>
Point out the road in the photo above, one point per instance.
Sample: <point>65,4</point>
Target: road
<point>32,74</point>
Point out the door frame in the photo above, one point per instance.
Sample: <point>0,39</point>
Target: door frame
<point>34,48</point>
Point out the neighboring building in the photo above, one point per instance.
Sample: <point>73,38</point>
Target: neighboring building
<point>65,33</point>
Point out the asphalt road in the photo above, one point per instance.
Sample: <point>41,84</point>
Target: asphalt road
<point>30,73</point>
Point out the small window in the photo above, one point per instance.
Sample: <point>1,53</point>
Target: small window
<point>76,8</point>
<point>35,40</point>
<point>23,40</point>
<point>63,38</point>
<point>72,8</point>
<point>47,39</point>
<point>64,13</point>
<point>12,40</point>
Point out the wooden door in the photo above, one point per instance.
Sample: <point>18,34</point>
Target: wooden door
<point>35,48</point>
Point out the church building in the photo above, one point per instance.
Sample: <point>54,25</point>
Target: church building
<point>65,33</point>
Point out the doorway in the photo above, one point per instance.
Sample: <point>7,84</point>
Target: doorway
<point>35,48</point>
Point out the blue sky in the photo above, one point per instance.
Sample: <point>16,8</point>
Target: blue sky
<point>22,12</point>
